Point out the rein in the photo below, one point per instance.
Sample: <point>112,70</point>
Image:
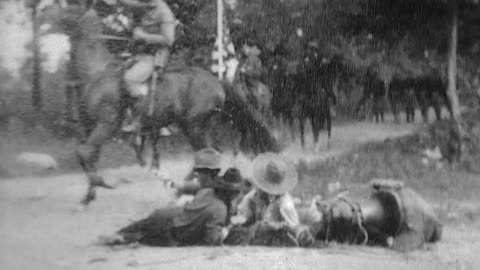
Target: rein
<point>110,37</point>
<point>357,219</point>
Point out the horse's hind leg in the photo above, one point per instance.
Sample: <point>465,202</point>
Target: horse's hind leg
<point>424,106</point>
<point>438,111</point>
<point>301,122</point>
<point>395,111</point>
<point>139,146</point>
<point>290,123</point>
<point>88,154</point>
<point>316,126</point>
<point>437,105</point>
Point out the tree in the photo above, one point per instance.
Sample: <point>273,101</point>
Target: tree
<point>37,72</point>
<point>428,25</point>
<point>452,65</point>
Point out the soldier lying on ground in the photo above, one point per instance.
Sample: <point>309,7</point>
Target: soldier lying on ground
<point>382,213</point>
<point>200,222</point>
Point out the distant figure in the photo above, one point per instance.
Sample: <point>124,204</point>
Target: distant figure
<point>252,67</point>
<point>373,91</point>
<point>258,94</point>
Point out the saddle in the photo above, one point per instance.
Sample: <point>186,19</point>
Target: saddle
<point>358,216</point>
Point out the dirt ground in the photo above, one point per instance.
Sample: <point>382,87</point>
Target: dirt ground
<point>40,228</point>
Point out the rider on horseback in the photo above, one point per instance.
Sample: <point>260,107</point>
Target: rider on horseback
<point>153,32</point>
<point>252,67</point>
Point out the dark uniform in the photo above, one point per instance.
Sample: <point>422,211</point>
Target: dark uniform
<point>199,222</point>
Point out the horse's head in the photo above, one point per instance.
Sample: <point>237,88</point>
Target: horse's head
<point>82,24</point>
<point>79,20</point>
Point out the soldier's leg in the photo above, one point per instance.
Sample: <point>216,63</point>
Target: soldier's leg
<point>161,60</point>
<point>137,86</point>
<point>137,75</point>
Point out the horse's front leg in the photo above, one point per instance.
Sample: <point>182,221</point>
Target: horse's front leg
<point>155,164</point>
<point>301,122</point>
<point>88,154</point>
<point>138,145</point>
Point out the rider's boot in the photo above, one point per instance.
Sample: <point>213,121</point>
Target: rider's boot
<point>134,122</point>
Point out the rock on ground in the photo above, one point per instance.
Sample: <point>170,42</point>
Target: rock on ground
<point>37,160</point>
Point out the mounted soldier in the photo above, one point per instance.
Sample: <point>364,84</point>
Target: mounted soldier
<point>182,97</point>
<point>152,26</point>
<point>251,70</point>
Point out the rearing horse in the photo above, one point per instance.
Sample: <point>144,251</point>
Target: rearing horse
<point>188,97</point>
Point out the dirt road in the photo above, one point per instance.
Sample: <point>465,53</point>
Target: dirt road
<point>39,230</point>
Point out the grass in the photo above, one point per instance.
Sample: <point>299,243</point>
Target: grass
<point>452,184</point>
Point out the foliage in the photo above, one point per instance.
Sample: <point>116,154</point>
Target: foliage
<point>402,38</point>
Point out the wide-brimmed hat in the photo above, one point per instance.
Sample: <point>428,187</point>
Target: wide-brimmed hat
<point>274,174</point>
<point>207,158</point>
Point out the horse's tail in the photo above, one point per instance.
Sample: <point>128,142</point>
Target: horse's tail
<point>251,124</point>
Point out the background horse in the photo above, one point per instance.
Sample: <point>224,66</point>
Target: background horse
<point>316,95</point>
<point>374,92</point>
<point>431,91</point>
<point>188,97</point>
<point>402,94</point>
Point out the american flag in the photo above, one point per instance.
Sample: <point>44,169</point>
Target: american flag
<point>229,57</point>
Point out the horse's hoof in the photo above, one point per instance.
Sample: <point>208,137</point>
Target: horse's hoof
<point>104,185</point>
<point>86,201</point>
<point>99,182</point>
<point>159,174</point>
<point>91,195</point>
<point>122,181</point>
<point>79,209</point>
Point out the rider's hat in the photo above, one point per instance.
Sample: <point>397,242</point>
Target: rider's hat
<point>207,158</point>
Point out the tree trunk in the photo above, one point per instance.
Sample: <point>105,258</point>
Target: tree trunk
<point>72,81</point>
<point>37,80</point>
<point>452,66</point>
<point>476,85</point>
<point>478,94</point>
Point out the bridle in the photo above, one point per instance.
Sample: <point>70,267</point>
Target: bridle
<point>357,218</point>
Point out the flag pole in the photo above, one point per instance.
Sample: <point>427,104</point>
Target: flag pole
<point>220,37</point>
